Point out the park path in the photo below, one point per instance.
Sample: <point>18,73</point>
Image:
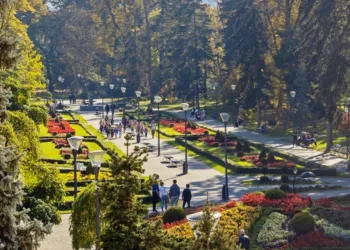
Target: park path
<point>276,143</point>
<point>201,177</point>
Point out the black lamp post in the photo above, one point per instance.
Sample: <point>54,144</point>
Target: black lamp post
<point>292,94</point>
<point>225,117</point>
<point>265,106</point>
<point>74,143</point>
<point>347,131</point>
<point>295,171</point>
<point>61,80</point>
<point>111,86</point>
<point>138,137</point>
<point>233,103</point>
<point>185,107</point>
<point>96,158</point>
<point>216,87</point>
<point>103,110</point>
<point>123,89</point>
<point>158,100</point>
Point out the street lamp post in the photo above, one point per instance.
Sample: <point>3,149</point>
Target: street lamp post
<point>103,110</point>
<point>295,171</point>
<point>347,131</point>
<point>111,86</point>
<point>185,107</point>
<point>74,143</point>
<point>233,103</point>
<point>216,85</point>
<point>265,106</point>
<point>158,100</point>
<point>138,137</point>
<point>96,158</point>
<point>123,89</point>
<point>225,117</point>
<point>292,94</point>
<point>61,80</point>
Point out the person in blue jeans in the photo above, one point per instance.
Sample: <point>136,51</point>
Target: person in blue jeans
<point>163,196</point>
<point>174,194</point>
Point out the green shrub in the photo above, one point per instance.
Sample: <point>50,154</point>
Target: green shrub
<point>285,178</point>
<point>264,179</point>
<point>262,154</point>
<point>303,223</point>
<point>174,214</point>
<point>264,170</point>
<point>285,187</point>
<point>246,147</point>
<point>271,158</point>
<point>67,156</point>
<point>240,153</point>
<point>275,194</point>
<point>239,146</point>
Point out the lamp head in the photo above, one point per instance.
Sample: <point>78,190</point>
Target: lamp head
<point>216,84</point>
<point>295,171</point>
<point>348,101</point>
<point>61,79</point>
<point>138,93</point>
<point>118,79</point>
<point>124,80</point>
<point>185,106</point>
<point>158,99</point>
<point>224,117</point>
<point>96,158</point>
<point>79,75</point>
<point>123,89</point>
<point>102,83</point>
<point>111,86</point>
<point>233,87</point>
<point>293,93</point>
<point>74,142</point>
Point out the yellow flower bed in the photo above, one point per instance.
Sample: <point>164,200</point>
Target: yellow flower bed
<point>239,217</point>
<point>182,231</point>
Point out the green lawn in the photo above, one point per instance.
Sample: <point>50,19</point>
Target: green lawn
<point>79,130</point>
<point>66,116</point>
<point>43,131</point>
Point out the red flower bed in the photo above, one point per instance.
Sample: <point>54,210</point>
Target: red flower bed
<point>176,223</point>
<point>282,164</point>
<point>314,240</point>
<point>231,204</point>
<point>62,127</point>
<point>249,158</point>
<point>180,127</point>
<point>291,204</point>
<point>324,202</point>
<point>213,144</point>
<point>207,139</point>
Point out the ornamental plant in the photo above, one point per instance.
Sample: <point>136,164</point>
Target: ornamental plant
<point>314,240</point>
<point>303,223</point>
<point>174,214</point>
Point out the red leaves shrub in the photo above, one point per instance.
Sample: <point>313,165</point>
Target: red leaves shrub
<point>258,163</point>
<point>213,144</point>
<point>176,223</point>
<point>207,139</point>
<point>314,240</point>
<point>180,127</point>
<point>324,202</point>
<point>62,127</point>
<point>231,204</point>
<point>281,164</point>
<point>291,204</point>
<point>248,158</point>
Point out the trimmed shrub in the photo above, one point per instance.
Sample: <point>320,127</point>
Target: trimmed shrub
<point>275,194</point>
<point>285,178</point>
<point>285,187</point>
<point>271,158</point>
<point>303,223</point>
<point>239,146</point>
<point>67,156</point>
<point>262,154</point>
<point>264,179</point>
<point>174,214</point>
<point>246,147</point>
<point>264,170</point>
<point>240,153</point>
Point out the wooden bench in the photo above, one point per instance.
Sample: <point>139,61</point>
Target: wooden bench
<point>177,163</point>
<point>167,158</point>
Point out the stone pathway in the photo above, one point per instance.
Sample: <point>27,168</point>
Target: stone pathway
<point>276,143</point>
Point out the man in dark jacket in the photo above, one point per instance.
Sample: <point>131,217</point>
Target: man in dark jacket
<point>186,196</point>
<point>243,241</point>
<point>107,109</point>
<point>174,194</point>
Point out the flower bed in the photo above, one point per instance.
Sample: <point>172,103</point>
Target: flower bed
<point>291,204</point>
<point>179,126</point>
<point>67,153</point>
<point>314,240</point>
<point>61,127</point>
<point>184,230</point>
<point>272,234</point>
<point>278,164</point>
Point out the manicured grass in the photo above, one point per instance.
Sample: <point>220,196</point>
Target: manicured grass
<point>79,130</point>
<point>43,131</point>
<point>49,151</point>
<point>203,159</point>
<point>66,116</point>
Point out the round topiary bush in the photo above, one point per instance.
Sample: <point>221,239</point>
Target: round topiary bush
<point>285,178</point>
<point>67,156</point>
<point>264,179</point>
<point>174,214</point>
<point>275,194</point>
<point>285,187</point>
<point>303,223</point>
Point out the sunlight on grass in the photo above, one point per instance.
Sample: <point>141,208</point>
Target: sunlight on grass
<point>43,131</point>
<point>79,130</point>
<point>49,151</point>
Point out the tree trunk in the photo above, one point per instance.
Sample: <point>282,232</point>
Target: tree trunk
<point>329,134</point>
<point>258,112</point>
<point>149,52</point>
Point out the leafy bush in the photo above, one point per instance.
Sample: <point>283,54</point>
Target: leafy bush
<point>285,178</point>
<point>275,194</point>
<point>42,211</point>
<point>285,187</point>
<point>271,158</point>
<point>67,156</point>
<point>264,170</point>
<point>272,234</point>
<point>174,214</point>
<point>240,153</point>
<point>246,147</point>
<point>264,179</point>
<point>262,154</point>
<point>303,223</point>
<point>239,146</point>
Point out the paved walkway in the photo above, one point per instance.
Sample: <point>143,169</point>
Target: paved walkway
<point>276,143</point>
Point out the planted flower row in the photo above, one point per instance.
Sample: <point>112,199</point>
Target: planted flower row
<point>179,126</point>
<point>59,127</point>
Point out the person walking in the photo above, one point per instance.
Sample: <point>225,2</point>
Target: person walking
<point>163,197</point>
<point>186,196</point>
<point>295,138</point>
<point>146,131</point>
<point>153,128</point>
<point>120,130</point>
<point>243,241</point>
<point>155,195</point>
<point>174,194</point>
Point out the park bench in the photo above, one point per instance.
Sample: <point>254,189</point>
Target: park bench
<point>177,163</point>
<point>167,158</point>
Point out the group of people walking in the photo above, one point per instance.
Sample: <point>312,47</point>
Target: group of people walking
<point>111,131</point>
<point>198,114</point>
<point>164,195</point>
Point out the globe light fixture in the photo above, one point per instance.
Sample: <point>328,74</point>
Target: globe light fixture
<point>111,86</point>
<point>75,142</point>
<point>96,158</point>
<point>123,89</point>
<point>138,93</point>
<point>293,93</point>
<point>224,117</point>
<point>185,106</point>
<point>233,87</point>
